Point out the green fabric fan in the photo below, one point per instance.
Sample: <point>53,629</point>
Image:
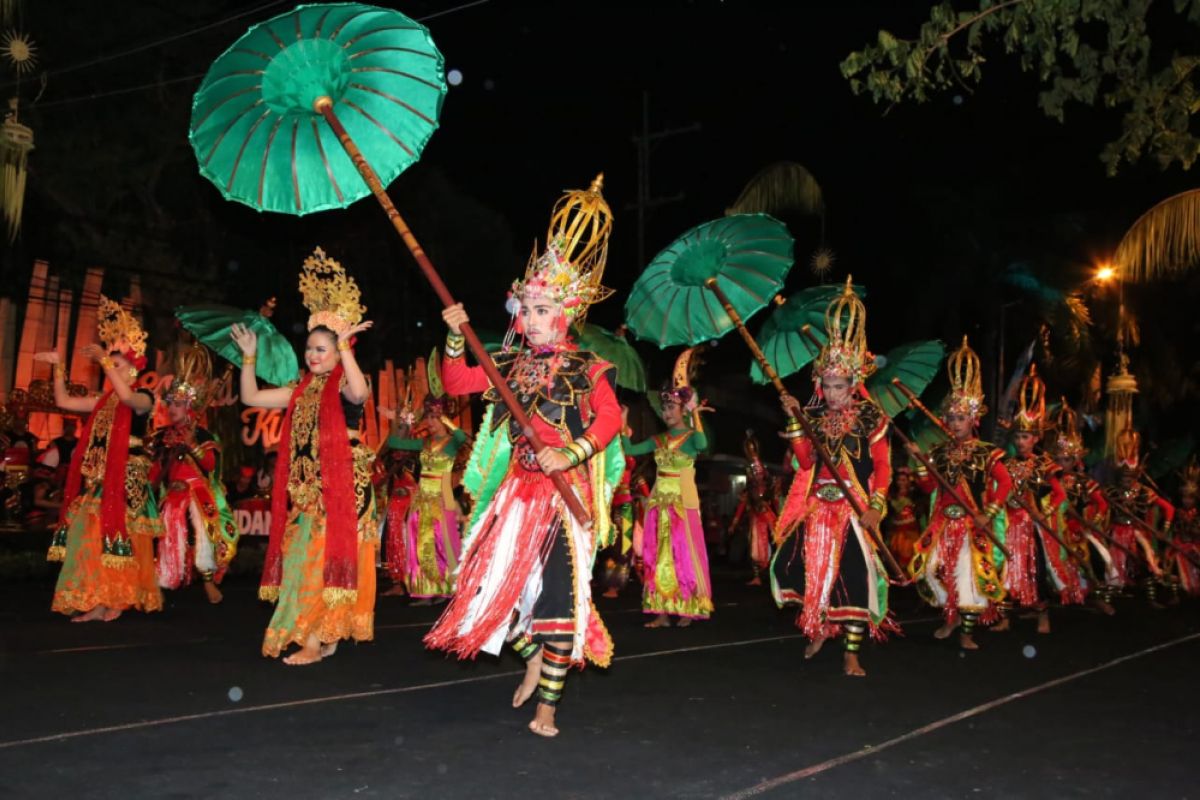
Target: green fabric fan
<point>786,348</point>
<point>748,255</point>
<point>916,364</point>
<point>276,363</point>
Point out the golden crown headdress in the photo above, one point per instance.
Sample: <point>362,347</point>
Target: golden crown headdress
<point>569,271</point>
<point>1068,442</point>
<point>119,330</point>
<point>1031,404</point>
<point>193,378</point>
<point>966,382</point>
<point>845,352</point>
<point>330,295</point>
<point>1189,479</point>
<point>1128,449</point>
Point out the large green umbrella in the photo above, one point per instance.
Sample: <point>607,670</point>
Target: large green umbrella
<point>747,255</point>
<point>781,339</point>
<point>300,103</point>
<point>257,134</point>
<point>613,348</point>
<point>210,323</point>
<point>914,364</point>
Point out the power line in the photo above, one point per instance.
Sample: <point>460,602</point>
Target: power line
<point>151,45</point>
<point>199,75</point>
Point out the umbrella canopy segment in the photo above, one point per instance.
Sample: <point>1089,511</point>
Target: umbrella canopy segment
<point>254,129</point>
<point>612,347</point>
<point>915,364</point>
<point>276,360</point>
<point>749,255</point>
<point>789,350</point>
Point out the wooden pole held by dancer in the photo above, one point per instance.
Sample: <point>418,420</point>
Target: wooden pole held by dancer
<point>901,577</point>
<point>324,106</point>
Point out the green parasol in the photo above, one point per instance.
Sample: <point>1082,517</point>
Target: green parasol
<point>744,257</point>
<point>301,102</point>
<point>257,134</point>
<point>210,325</point>
<point>785,346</point>
<point>914,364</point>
<point>613,348</point>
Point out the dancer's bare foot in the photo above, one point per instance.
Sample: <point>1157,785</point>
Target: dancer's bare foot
<point>212,592</point>
<point>90,616</point>
<point>328,649</point>
<point>1001,626</point>
<point>543,721</point>
<point>945,631</point>
<point>755,581</point>
<point>850,665</point>
<point>967,641</point>
<point>661,621</point>
<point>111,614</point>
<point>1043,619</point>
<point>684,622</point>
<point>814,647</point>
<point>611,594</point>
<point>396,590</point>
<point>528,684</point>
<point>1103,605</point>
<point>310,653</point>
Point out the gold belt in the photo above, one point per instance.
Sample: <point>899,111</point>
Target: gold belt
<point>670,474</point>
<point>954,511</point>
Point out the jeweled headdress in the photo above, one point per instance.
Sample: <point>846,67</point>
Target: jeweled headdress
<point>1189,479</point>
<point>1128,450</point>
<point>966,383</point>
<point>120,331</point>
<point>330,295</point>
<point>570,269</point>
<point>1068,441</point>
<point>193,379</point>
<point>1031,405</point>
<point>679,390</point>
<point>845,352</point>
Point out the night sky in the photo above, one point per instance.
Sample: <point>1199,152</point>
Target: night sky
<point>927,205</point>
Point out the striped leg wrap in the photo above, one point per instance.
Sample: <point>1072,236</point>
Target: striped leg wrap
<point>1151,587</point>
<point>525,647</point>
<point>556,660</point>
<point>969,618</point>
<point>855,633</point>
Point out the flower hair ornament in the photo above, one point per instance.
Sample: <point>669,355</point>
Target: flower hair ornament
<point>330,295</point>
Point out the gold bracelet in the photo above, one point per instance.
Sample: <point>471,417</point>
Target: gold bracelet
<point>106,362</point>
<point>60,371</point>
<point>249,361</point>
<point>345,345</point>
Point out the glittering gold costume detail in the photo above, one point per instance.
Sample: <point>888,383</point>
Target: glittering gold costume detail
<point>118,329</point>
<point>330,295</point>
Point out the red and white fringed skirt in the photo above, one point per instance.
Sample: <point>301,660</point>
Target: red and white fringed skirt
<point>501,573</point>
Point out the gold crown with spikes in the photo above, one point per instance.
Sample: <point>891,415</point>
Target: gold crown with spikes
<point>193,378</point>
<point>845,352</point>
<point>966,382</point>
<point>1189,479</point>
<point>1127,450</point>
<point>1068,442</point>
<point>119,330</point>
<point>330,295</point>
<point>569,272</point>
<point>1031,404</point>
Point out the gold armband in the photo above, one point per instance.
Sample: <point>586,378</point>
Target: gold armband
<point>456,345</point>
<point>106,362</point>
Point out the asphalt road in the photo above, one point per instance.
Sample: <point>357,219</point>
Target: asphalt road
<point>180,704</point>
